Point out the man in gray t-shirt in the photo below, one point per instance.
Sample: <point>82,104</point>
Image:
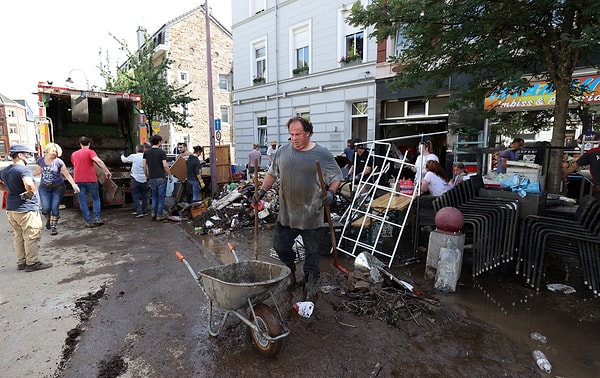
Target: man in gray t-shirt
<point>301,199</point>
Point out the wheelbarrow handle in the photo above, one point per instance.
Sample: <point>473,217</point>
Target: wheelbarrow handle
<point>188,266</point>
<point>233,251</point>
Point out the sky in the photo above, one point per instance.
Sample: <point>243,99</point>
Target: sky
<point>46,40</point>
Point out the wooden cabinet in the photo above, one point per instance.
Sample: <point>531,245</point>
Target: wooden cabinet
<point>223,164</point>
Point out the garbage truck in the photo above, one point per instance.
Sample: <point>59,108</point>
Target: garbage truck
<point>114,122</point>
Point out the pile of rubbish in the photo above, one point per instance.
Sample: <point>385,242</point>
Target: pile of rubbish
<point>231,209</point>
<point>385,301</point>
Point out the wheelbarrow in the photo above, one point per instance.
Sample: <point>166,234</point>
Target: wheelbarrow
<point>245,284</point>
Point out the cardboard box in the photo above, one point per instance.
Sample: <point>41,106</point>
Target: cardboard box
<point>179,169</point>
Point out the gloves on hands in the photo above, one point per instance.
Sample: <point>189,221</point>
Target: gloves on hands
<point>328,198</point>
<point>26,196</point>
<point>261,193</point>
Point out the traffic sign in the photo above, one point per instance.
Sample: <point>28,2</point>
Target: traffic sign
<point>217,124</point>
<point>218,135</point>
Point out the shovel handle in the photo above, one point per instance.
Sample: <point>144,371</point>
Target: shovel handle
<point>328,214</point>
<point>179,256</point>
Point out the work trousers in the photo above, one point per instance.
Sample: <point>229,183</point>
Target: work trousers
<point>27,233</point>
<point>283,243</point>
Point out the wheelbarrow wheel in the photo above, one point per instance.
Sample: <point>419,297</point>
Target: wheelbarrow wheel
<point>268,322</point>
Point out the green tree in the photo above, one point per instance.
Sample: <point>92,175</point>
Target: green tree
<point>496,43</point>
<point>142,74</point>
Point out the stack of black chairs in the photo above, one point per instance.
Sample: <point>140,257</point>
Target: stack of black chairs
<point>577,238</point>
<point>491,223</point>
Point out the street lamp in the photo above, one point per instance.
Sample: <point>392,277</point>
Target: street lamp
<point>70,81</point>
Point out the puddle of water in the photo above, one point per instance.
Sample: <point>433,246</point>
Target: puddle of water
<point>569,322</point>
<point>500,298</point>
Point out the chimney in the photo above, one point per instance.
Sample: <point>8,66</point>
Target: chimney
<point>141,33</point>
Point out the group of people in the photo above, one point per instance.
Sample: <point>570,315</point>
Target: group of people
<point>193,165</point>
<point>426,168</point>
<point>301,198</point>
<point>23,200</point>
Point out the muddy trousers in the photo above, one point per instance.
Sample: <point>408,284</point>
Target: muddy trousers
<point>283,243</point>
<point>27,233</point>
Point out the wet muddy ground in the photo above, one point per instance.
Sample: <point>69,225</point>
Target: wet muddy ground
<point>152,318</point>
<point>483,329</point>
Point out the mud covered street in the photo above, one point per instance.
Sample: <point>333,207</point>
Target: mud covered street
<point>148,318</point>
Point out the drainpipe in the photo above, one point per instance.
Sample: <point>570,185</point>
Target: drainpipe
<point>211,111</point>
<point>277,69</point>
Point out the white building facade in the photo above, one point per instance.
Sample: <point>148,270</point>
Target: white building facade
<point>301,57</point>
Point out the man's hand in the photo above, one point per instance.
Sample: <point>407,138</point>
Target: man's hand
<point>328,198</point>
<point>261,193</point>
<point>26,196</point>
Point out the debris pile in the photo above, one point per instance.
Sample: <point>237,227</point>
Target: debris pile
<point>384,301</point>
<point>232,209</point>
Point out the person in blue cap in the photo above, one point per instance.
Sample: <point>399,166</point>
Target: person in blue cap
<point>23,209</point>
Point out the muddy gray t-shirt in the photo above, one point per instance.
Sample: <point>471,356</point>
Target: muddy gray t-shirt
<point>300,204</point>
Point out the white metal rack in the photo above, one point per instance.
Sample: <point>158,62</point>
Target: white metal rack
<point>363,223</point>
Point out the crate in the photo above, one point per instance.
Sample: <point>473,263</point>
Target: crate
<point>532,204</point>
<point>531,171</point>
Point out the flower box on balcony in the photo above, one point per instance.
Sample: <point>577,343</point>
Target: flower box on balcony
<point>300,71</point>
<point>258,81</point>
<point>350,60</point>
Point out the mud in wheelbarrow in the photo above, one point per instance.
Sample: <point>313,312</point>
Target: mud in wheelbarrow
<point>246,284</point>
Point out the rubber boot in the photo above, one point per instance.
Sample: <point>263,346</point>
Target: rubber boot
<point>310,288</point>
<point>53,223</point>
<point>293,281</point>
<point>47,221</point>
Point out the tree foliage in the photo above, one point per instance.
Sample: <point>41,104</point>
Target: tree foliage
<point>499,44</point>
<point>144,75</point>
